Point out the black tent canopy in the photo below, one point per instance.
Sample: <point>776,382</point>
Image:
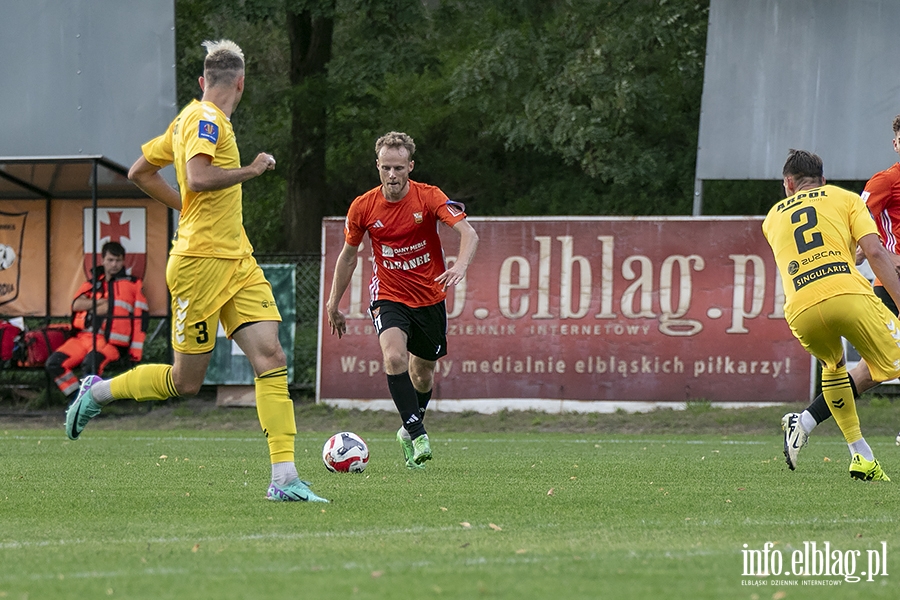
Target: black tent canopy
<point>64,177</point>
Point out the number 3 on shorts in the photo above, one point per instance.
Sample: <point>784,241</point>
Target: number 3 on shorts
<point>202,333</point>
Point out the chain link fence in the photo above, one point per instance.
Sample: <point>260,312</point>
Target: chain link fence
<point>307,314</point>
<point>158,348</point>
<point>306,297</point>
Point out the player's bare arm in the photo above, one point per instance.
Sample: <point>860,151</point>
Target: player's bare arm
<point>861,257</point>
<point>203,176</point>
<point>343,271</point>
<point>468,243</point>
<point>882,264</point>
<point>146,176</point>
<point>896,260</point>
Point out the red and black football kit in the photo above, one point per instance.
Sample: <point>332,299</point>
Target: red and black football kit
<point>408,258</point>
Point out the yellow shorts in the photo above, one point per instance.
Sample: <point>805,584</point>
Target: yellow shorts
<point>206,291</point>
<point>864,321</point>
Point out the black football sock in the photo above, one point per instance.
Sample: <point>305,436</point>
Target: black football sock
<point>423,397</point>
<point>404,396</point>
<point>819,408</point>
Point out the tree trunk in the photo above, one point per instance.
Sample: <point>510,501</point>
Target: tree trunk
<point>307,195</point>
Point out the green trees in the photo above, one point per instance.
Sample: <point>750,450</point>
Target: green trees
<point>528,107</point>
<point>606,92</point>
<point>310,28</point>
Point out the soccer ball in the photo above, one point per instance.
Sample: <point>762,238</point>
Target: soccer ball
<point>345,452</point>
<point>7,257</point>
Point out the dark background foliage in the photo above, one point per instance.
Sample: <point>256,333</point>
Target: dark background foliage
<point>534,107</point>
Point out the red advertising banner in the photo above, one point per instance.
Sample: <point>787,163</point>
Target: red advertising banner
<point>581,313</point>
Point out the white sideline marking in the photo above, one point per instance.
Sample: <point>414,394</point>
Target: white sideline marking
<point>17,545</point>
<point>479,561</point>
<point>248,538</point>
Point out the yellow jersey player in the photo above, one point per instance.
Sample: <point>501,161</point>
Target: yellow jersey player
<point>211,274</point>
<point>814,233</point>
<point>882,198</point>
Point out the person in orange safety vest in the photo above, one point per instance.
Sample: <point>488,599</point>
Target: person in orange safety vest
<point>103,335</point>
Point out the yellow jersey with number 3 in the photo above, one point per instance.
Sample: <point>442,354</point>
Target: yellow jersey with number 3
<point>813,235</point>
<point>211,223</point>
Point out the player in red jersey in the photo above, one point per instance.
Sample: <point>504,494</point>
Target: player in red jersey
<point>882,197</point>
<point>409,281</point>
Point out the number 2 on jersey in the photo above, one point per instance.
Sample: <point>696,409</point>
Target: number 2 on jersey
<point>815,239</point>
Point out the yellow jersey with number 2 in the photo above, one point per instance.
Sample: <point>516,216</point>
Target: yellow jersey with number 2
<point>813,235</point>
<point>211,223</point>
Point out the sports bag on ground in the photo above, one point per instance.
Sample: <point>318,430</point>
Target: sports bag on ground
<point>39,344</point>
<point>9,339</point>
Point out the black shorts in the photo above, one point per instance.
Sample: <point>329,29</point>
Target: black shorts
<point>425,327</point>
<point>886,298</point>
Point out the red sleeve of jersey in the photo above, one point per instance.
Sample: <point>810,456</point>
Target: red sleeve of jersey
<point>877,193</point>
<point>354,226</point>
<point>448,211</point>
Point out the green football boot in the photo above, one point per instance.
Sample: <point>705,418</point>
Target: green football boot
<point>421,449</point>
<point>408,451</point>
<point>867,470</point>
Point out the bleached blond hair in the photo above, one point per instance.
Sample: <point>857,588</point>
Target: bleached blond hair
<point>224,62</point>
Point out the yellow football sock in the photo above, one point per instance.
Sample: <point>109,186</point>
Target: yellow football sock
<point>144,382</point>
<point>839,396</point>
<point>276,414</point>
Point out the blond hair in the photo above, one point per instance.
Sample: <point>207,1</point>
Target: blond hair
<point>395,139</point>
<point>224,62</point>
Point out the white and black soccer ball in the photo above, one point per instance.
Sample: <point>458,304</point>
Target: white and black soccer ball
<point>345,452</point>
<point>7,257</point>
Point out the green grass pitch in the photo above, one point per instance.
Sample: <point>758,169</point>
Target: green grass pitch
<point>182,514</point>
